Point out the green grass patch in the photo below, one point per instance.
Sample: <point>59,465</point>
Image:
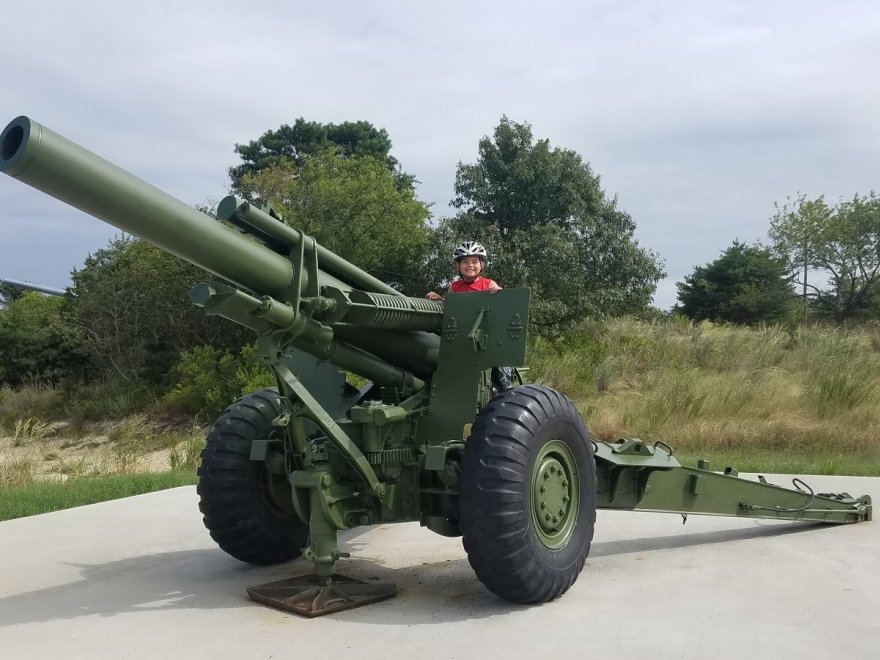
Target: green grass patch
<point>43,497</point>
<point>829,461</point>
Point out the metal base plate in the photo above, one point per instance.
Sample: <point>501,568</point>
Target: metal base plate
<point>310,595</point>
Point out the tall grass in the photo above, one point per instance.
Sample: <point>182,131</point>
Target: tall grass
<point>723,388</point>
<point>17,471</point>
<point>186,453</point>
<point>74,404</point>
<point>36,400</point>
<point>32,429</point>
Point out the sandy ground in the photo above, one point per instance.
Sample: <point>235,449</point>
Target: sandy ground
<point>62,455</point>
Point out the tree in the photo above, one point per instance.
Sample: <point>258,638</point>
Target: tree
<point>37,341</point>
<point>131,301</point>
<point>293,145</point>
<point>549,226</point>
<point>839,245</point>
<point>353,207</point>
<point>746,284</point>
<point>9,293</point>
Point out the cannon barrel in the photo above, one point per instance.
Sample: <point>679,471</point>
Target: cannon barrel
<point>49,290</point>
<point>56,166</point>
<point>51,163</point>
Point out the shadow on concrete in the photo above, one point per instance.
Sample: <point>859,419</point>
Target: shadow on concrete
<point>648,544</point>
<point>204,578</point>
<point>428,593</point>
<point>208,579</point>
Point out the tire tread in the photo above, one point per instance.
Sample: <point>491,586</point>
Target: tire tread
<point>233,511</point>
<point>495,512</point>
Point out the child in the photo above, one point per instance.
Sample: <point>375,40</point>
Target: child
<point>470,259</point>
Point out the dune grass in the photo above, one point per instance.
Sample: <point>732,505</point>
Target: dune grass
<point>805,398</point>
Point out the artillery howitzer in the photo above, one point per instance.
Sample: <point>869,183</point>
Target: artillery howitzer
<point>515,474</point>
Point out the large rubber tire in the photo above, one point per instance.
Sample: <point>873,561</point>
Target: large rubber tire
<point>247,509</point>
<point>529,456</point>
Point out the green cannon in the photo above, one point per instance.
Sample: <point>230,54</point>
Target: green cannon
<point>515,474</point>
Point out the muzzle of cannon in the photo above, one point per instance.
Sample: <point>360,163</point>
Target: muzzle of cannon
<point>427,439</point>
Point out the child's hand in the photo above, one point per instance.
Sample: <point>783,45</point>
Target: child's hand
<point>433,296</point>
<point>494,288</point>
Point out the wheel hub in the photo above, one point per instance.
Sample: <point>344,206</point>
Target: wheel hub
<point>554,494</point>
<point>554,497</point>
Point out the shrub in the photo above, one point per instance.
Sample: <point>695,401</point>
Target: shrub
<point>110,399</point>
<point>207,380</point>
<point>38,400</point>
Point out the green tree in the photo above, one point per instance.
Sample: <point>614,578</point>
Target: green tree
<point>206,379</point>
<point>549,226</point>
<point>131,301</point>
<point>9,292</point>
<point>832,251</point>
<point>37,340</point>
<point>293,145</point>
<point>353,207</point>
<point>746,284</point>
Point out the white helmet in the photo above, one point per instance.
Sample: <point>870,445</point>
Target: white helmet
<point>469,249</point>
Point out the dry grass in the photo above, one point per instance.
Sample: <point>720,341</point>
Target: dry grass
<point>134,445</point>
<point>37,400</point>
<point>719,388</point>
<point>32,429</point>
<point>17,470</point>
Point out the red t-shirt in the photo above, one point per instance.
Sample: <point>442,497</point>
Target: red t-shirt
<point>479,284</point>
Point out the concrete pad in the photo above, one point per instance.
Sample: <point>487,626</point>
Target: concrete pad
<point>140,578</point>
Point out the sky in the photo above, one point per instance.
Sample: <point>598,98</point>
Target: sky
<point>697,116</point>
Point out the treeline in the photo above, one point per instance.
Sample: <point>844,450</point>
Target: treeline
<point>830,254</point>
<point>122,338</point>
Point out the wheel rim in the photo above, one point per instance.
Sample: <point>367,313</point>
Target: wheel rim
<point>275,489</point>
<point>276,494</point>
<point>555,494</point>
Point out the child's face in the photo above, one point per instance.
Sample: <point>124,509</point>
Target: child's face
<point>469,268</point>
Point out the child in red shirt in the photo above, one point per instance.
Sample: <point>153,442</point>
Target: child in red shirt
<point>470,259</point>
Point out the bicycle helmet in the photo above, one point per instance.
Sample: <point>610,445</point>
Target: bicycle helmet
<point>469,249</point>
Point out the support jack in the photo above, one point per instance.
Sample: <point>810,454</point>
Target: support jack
<point>313,595</point>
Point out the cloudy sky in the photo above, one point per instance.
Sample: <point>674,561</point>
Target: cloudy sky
<point>698,116</point>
